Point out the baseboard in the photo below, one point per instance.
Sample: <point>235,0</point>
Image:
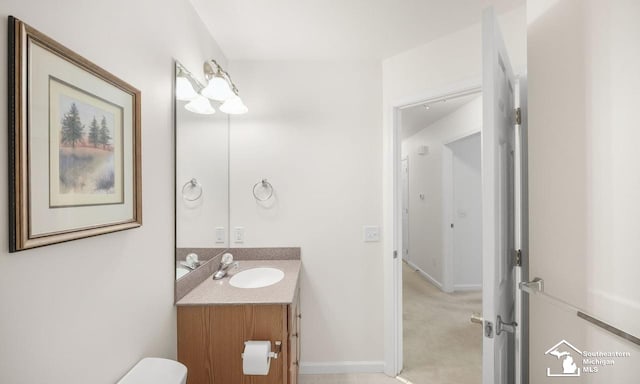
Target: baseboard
<point>341,367</point>
<point>467,287</point>
<point>425,275</point>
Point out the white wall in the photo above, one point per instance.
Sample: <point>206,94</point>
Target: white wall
<point>425,177</point>
<point>86,311</point>
<point>314,131</point>
<point>584,172</point>
<point>467,213</point>
<point>202,152</point>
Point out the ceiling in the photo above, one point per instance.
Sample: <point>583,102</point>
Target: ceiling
<point>330,29</point>
<point>416,118</point>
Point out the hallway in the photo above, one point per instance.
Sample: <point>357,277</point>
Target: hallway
<point>441,345</point>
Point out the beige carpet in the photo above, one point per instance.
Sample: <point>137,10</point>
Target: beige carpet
<point>441,345</point>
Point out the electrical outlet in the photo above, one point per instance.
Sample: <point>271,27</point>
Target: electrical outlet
<point>220,235</point>
<point>238,235</point>
<point>371,233</point>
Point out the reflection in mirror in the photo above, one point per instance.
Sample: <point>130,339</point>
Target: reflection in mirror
<point>202,176</point>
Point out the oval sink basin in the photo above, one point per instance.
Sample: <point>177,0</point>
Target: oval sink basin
<point>256,278</point>
<point>180,271</point>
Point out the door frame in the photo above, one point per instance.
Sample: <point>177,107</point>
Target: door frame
<point>405,194</point>
<point>392,215</point>
<point>448,284</point>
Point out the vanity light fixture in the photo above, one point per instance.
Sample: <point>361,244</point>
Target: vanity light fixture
<point>184,87</point>
<point>200,105</point>
<point>221,88</point>
<point>234,106</point>
<point>217,89</point>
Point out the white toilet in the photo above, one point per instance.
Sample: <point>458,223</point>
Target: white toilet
<point>154,370</point>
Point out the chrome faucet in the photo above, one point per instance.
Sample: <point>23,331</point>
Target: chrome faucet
<point>191,261</point>
<point>226,264</point>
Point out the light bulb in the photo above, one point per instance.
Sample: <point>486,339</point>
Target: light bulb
<point>184,89</point>
<point>234,106</point>
<point>217,89</point>
<point>200,105</point>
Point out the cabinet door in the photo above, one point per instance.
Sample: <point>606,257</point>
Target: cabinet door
<point>194,343</point>
<point>211,341</point>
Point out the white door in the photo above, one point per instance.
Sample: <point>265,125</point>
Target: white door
<point>405,209</point>
<point>498,144</point>
<point>521,236</point>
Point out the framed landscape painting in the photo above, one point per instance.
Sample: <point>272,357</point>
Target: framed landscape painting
<point>74,137</point>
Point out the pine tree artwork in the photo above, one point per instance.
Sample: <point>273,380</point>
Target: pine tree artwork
<point>88,160</point>
<point>72,127</point>
<point>104,137</point>
<point>94,133</point>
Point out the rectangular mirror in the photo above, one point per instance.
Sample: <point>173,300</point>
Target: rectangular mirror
<point>201,176</point>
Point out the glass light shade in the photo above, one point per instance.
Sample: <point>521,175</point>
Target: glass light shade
<point>234,106</point>
<point>184,89</point>
<point>200,105</point>
<point>217,89</point>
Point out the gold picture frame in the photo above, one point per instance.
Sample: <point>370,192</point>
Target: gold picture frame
<point>74,145</point>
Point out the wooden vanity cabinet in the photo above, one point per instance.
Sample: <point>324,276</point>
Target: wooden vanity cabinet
<point>211,340</point>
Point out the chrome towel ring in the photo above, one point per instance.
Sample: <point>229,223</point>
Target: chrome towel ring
<point>192,185</point>
<point>262,190</point>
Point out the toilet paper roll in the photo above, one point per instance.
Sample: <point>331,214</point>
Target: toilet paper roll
<point>255,359</point>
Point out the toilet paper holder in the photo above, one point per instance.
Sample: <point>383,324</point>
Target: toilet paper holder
<point>274,353</point>
<point>277,349</point>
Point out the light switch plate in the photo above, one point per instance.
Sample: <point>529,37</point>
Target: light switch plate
<point>371,233</point>
<point>220,235</point>
<point>238,235</point>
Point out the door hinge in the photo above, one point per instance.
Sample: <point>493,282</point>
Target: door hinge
<point>517,258</point>
<point>395,254</point>
<point>501,326</point>
<point>518,113</point>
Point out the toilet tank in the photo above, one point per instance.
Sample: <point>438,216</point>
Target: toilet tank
<point>154,370</point>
